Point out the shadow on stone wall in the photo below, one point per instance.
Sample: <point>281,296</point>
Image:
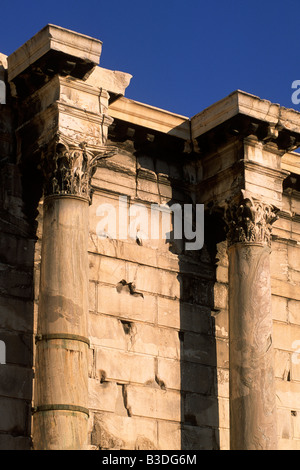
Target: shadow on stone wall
<point>197,276</point>
<point>198,350</point>
<point>17,247</point>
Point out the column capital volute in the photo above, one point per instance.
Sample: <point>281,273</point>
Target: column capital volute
<point>68,166</point>
<point>249,220</point>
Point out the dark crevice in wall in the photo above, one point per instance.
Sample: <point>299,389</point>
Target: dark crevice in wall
<point>128,287</point>
<point>17,248</point>
<point>125,400</point>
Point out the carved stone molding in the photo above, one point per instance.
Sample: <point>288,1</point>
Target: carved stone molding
<point>250,221</point>
<point>68,167</point>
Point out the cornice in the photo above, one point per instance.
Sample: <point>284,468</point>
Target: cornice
<point>291,162</point>
<point>141,114</point>
<point>59,40</point>
<point>83,114</point>
<point>265,170</point>
<point>150,117</point>
<point>242,103</point>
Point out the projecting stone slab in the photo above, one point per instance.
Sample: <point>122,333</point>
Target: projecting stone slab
<point>3,67</point>
<point>153,118</point>
<point>245,104</point>
<point>3,60</point>
<point>64,49</point>
<point>111,80</point>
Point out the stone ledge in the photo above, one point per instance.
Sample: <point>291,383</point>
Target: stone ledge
<point>113,81</point>
<point>150,117</point>
<point>291,162</point>
<point>240,102</point>
<point>54,38</point>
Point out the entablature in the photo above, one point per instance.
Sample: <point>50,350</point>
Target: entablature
<point>150,117</point>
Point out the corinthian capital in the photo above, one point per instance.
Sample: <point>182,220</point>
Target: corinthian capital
<point>68,167</point>
<point>250,221</point>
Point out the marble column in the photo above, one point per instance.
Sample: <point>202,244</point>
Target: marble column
<point>252,388</point>
<point>61,381</point>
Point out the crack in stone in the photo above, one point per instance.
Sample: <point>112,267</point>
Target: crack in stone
<point>125,400</point>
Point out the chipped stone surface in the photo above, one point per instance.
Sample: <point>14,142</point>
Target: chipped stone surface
<point>156,374</point>
<point>125,367</point>
<point>115,432</point>
<point>151,402</point>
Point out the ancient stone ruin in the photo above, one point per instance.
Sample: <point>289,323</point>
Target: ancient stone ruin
<point>118,330</point>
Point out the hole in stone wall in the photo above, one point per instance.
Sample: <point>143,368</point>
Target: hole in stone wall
<point>181,335</point>
<point>129,287</point>
<point>127,326</point>
<point>102,376</point>
<point>160,383</point>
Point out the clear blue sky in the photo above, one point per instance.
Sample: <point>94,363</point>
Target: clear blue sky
<point>183,55</point>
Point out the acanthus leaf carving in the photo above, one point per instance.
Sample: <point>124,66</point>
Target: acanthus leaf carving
<point>68,166</point>
<point>250,221</point>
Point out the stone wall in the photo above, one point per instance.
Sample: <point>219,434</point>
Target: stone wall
<point>17,245</point>
<point>158,369</point>
<point>153,359</point>
<point>158,320</point>
<point>17,259</point>
<point>285,272</point>
<point>160,355</point>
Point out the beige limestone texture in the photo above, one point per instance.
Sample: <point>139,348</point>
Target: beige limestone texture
<point>113,81</point>
<point>3,60</point>
<point>252,390</point>
<point>63,306</point>
<point>156,374</point>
